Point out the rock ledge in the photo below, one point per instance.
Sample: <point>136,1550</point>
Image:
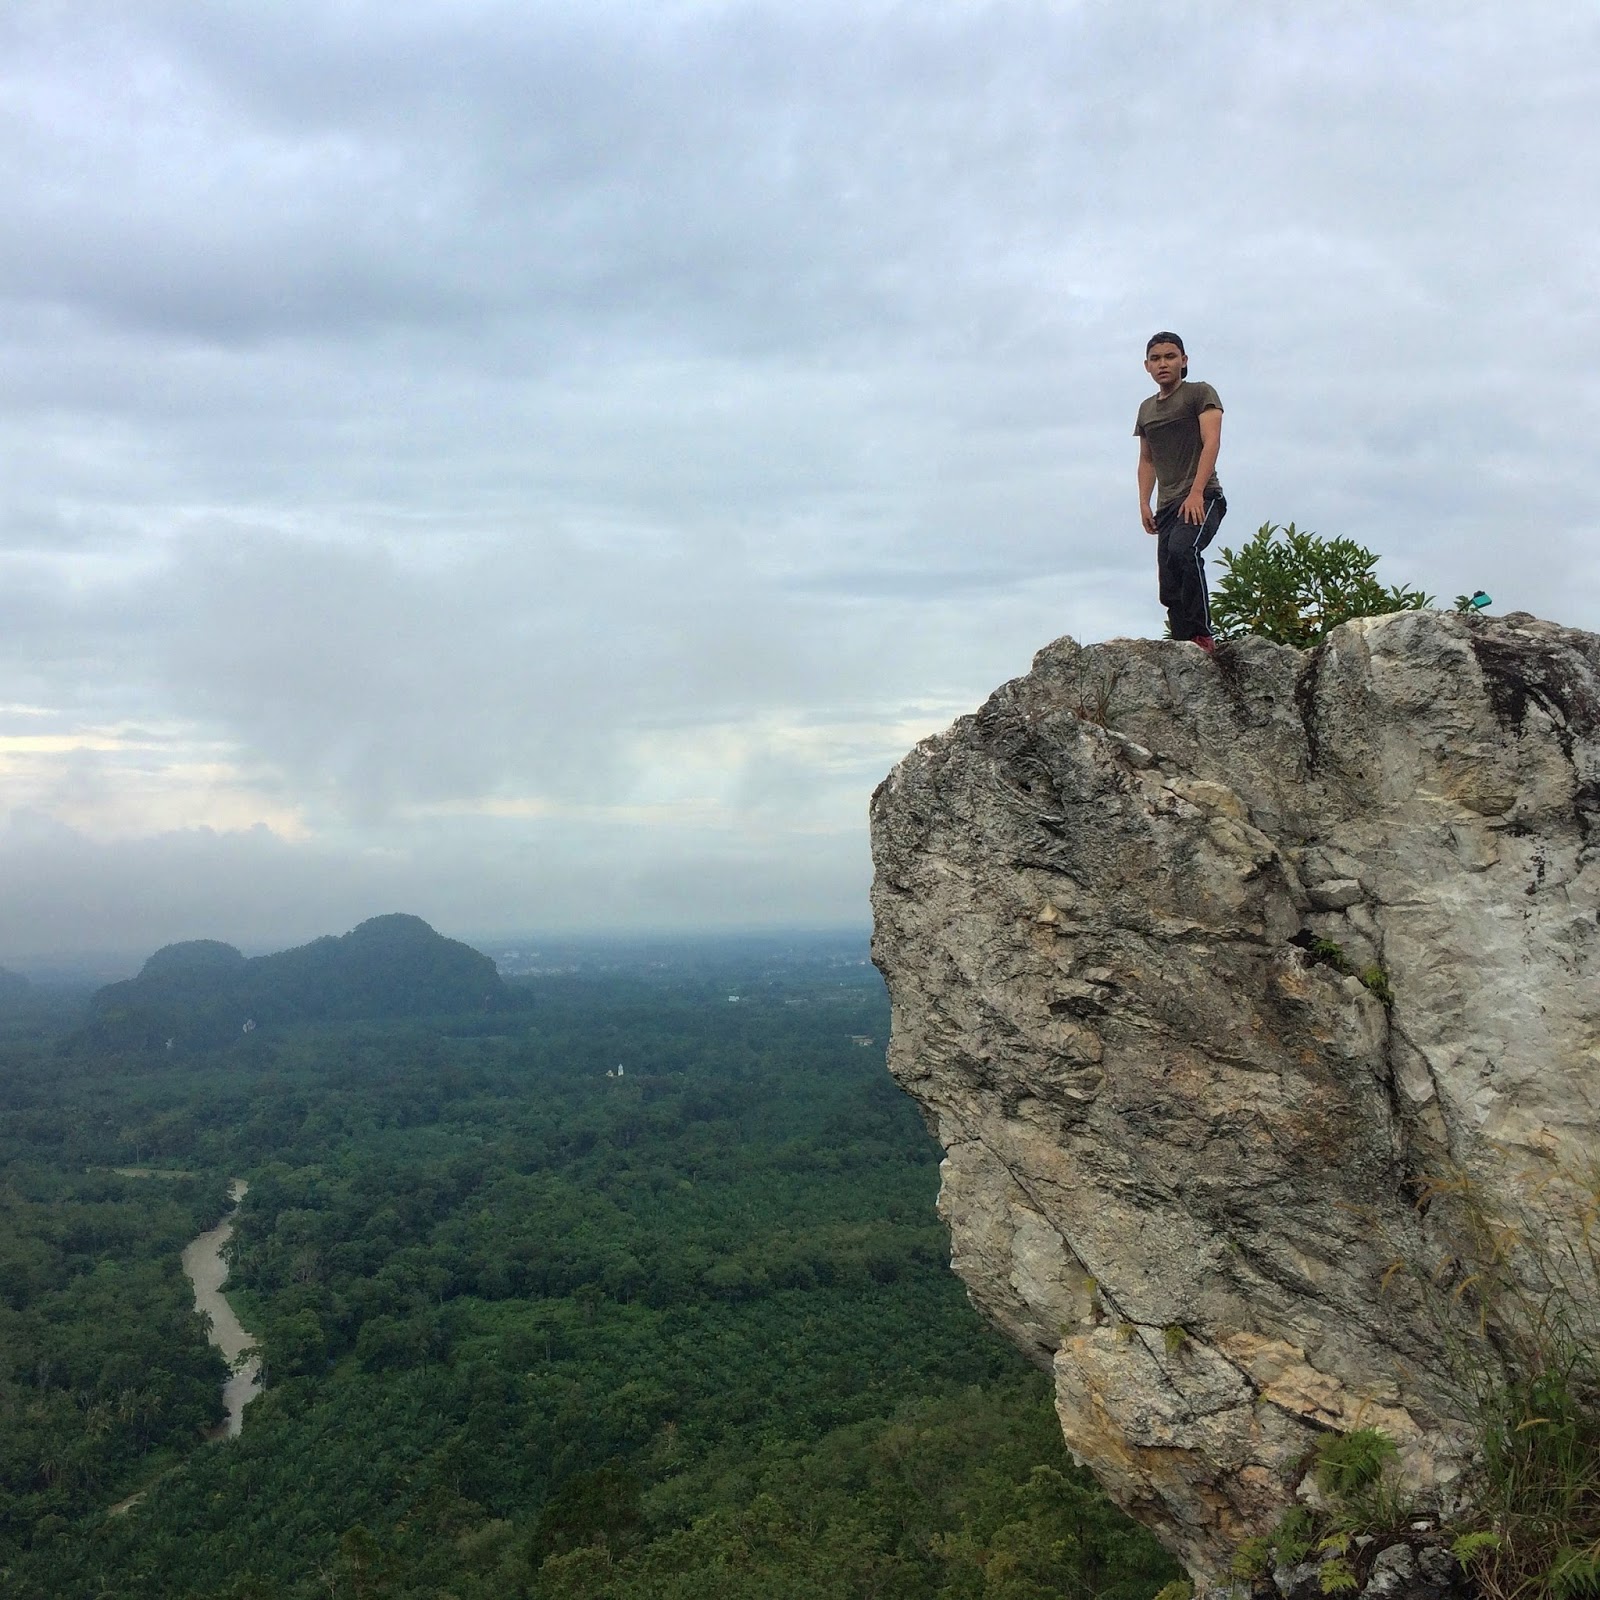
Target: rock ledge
<point>1202,971</point>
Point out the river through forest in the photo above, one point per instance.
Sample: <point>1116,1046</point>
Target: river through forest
<point>207,1271</point>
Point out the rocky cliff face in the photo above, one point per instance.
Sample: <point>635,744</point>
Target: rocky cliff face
<point>1207,973</point>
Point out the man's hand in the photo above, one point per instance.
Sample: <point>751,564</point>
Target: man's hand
<point>1147,517</point>
<point>1194,503</point>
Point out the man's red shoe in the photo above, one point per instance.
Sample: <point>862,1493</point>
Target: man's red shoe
<point>1206,643</point>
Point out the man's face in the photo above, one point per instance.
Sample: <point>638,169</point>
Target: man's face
<point>1164,363</point>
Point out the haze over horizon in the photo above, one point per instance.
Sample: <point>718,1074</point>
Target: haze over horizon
<point>537,466</point>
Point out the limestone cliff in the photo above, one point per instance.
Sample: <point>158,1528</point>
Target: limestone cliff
<point>1202,969</point>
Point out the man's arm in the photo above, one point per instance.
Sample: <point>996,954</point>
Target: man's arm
<point>1147,483</point>
<point>1194,503</point>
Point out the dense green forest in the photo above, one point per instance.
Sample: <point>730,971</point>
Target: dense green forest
<point>631,1289</point>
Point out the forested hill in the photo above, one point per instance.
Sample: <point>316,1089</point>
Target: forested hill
<point>203,992</point>
<point>15,990</point>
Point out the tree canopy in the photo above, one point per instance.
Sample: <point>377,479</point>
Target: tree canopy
<point>529,1328</point>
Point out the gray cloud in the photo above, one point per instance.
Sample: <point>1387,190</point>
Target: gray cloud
<point>560,455</point>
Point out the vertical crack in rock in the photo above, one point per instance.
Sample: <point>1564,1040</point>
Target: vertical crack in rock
<point>1200,971</point>
<point>1305,699</point>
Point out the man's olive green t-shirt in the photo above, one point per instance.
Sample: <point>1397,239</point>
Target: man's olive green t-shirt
<point>1170,425</point>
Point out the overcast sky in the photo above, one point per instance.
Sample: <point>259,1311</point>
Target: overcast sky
<point>538,465</point>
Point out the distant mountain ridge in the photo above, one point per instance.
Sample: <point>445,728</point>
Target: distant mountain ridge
<point>205,992</point>
<point>16,992</point>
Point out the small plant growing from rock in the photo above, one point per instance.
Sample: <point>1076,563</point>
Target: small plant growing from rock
<point>1295,1536</point>
<point>1576,1573</point>
<point>1377,983</point>
<point>1327,950</point>
<point>1520,1306</point>
<point>1174,1337</point>
<point>1301,1534</point>
<point>1252,1560</point>
<point>1353,1471</point>
<point>1328,953</point>
<point>1337,1576</point>
<point>1470,1545</point>
<point>1095,694</point>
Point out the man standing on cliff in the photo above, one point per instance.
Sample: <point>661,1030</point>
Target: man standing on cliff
<point>1180,432</point>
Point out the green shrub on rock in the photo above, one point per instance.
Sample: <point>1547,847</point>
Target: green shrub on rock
<point>1295,587</point>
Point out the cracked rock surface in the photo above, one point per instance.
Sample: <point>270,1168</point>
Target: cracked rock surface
<point>1201,969</point>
